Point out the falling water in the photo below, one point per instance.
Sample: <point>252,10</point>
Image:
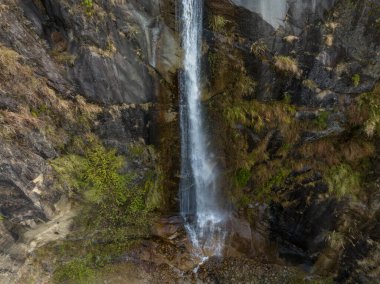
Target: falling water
<point>199,198</point>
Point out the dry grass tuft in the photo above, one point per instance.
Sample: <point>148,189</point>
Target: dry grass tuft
<point>287,65</point>
<point>8,60</point>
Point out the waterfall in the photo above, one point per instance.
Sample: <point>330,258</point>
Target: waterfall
<point>199,197</point>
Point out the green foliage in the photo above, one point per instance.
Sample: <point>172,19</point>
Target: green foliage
<point>89,6</point>
<point>257,115</point>
<point>343,181</point>
<point>218,23</point>
<point>242,177</point>
<point>356,80</point>
<point>369,103</point>
<point>310,84</point>
<point>70,169</point>
<point>213,59</point>
<point>2,218</point>
<point>40,110</point>
<point>244,84</point>
<point>136,150</point>
<point>117,198</point>
<point>259,49</point>
<point>287,98</point>
<point>63,57</point>
<point>322,120</point>
<point>336,240</point>
<point>76,271</point>
<point>277,180</point>
<point>155,191</point>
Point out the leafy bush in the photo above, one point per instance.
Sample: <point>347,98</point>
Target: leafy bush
<point>264,193</point>
<point>356,80</point>
<point>117,198</point>
<point>218,23</point>
<point>257,114</point>
<point>76,271</point>
<point>259,49</point>
<point>343,181</point>
<point>242,177</point>
<point>322,119</point>
<point>89,6</point>
<point>369,103</point>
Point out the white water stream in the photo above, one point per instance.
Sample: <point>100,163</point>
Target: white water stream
<point>199,191</point>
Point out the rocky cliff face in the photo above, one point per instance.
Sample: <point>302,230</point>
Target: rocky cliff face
<point>297,74</point>
<point>292,91</point>
<point>67,71</point>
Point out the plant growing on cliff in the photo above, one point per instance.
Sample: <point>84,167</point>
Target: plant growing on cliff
<point>75,271</point>
<point>117,198</point>
<point>287,65</point>
<point>242,177</point>
<point>264,193</point>
<point>356,80</point>
<point>218,23</point>
<point>132,31</point>
<point>89,6</point>
<point>259,49</point>
<point>343,181</point>
<point>322,120</point>
<point>369,106</point>
<point>365,112</point>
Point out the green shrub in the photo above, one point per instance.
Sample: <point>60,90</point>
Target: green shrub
<point>242,177</point>
<point>40,110</point>
<point>322,119</point>
<point>89,7</point>
<point>277,180</point>
<point>356,80</point>
<point>88,4</point>
<point>76,271</point>
<point>117,198</point>
<point>70,169</point>
<point>218,23</point>
<point>343,181</point>
<point>259,49</point>
<point>369,103</point>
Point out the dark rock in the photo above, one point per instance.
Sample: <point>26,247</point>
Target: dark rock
<point>299,228</point>
<point>121,126</point>
<point>168,228</point>
<point>275,143</point>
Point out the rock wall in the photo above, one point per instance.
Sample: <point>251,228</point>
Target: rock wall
<point>306,67</point>
<point>69,71</point>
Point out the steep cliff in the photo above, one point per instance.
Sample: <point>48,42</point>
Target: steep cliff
<point>88,89</point>
<point>296,86</point>
<point>70,72</point>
